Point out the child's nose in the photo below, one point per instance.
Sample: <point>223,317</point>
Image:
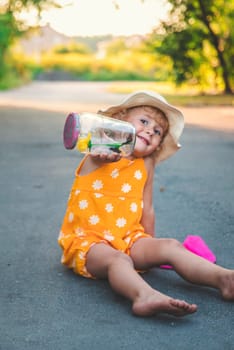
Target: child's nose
<point>149,131</point>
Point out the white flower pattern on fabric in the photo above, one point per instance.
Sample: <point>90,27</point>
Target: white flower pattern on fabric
<point>121,222</point>
<point>70,217</point>
<point>108,236</point>
<point>83,204</point>
<point>109,207</point>
<point>79,232</point>
<point>81,255</point>
<point>97,184</point>
<point>127,240</point>
<point>77,192</point>
<point>138,175</point>
<point>133,207</point>
<point>115,173</point>
<point>98,195</point>
<point>122,198</point>
<point>126,188</point>
<point>94,219</point>
<point>61,234</point>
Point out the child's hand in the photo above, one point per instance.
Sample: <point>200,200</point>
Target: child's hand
<point>106,157</point>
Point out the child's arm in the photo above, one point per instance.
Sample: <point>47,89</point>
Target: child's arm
<point>148,214</point>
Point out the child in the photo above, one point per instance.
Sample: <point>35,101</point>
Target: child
<point>108,229</point>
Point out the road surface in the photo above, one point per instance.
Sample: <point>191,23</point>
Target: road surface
<point>45,306</point>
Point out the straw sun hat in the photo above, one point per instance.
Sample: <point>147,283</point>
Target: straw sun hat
<point>175,118</point>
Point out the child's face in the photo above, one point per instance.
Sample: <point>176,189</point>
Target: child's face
<point>149,130</point>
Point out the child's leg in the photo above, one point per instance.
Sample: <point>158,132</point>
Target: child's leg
<point>106,262</point>
<point>149,252</point>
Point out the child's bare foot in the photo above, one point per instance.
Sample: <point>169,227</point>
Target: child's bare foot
<point>227,285</point>
<point>156,303</point>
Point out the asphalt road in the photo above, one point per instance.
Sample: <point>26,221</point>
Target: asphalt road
<point>45,306</point>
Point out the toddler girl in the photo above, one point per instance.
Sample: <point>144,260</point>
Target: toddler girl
<point>109,226</point>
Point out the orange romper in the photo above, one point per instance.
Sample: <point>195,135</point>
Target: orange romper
<point>103,206</point>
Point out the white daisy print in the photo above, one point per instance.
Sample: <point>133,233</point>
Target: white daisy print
<point>70,217</point>
<point>133,207</point>
<point>61,234</point>
<point>138,174</point>
<point>109,207</point>
<point>98,195</point>
<point>108,236</point>
<point>84,244</point>
<point>122,198</point>
<point>79,232</point>
<point>121,222</point>
<point>81,255</point>
<point>127,240</point>
<point>97,184</point>
<point>94,219</point>
<point>83,204</point>
<point>115,173</point>
<point>126,188</point>
<point>77,192</point>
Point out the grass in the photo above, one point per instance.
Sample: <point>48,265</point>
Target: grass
<point>184,96</point>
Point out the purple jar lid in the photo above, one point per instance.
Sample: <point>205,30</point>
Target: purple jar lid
<point>71,131</point>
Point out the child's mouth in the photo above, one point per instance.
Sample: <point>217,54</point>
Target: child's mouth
<point>144,140</point>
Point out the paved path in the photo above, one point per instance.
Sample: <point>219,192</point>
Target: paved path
<point>43,305</point>
<point>80,96</point>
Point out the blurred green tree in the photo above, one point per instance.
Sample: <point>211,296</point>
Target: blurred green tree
<point>12,26</point>
<point>199,38</point>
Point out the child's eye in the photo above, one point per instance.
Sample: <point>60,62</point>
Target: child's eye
<point>144,121</point>
<point>157,132</point>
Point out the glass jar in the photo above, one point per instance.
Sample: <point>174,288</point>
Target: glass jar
<point>95,133</point>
